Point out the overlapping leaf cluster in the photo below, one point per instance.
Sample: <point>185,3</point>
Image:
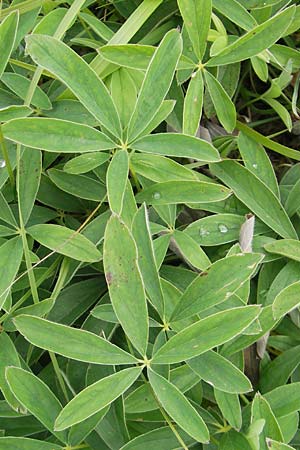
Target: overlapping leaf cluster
<point>150,260</point>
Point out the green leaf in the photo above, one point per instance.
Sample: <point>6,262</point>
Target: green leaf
<point>286,300</point>
<point>78,185</point>
<point>256,40</point>
<point>290,248</point>
<point>146,259</point>
<point>178,407</point>
<point>76,74</point>
<point>162,438</point>
<point>256,196</point>
<point>70,342</point>
<point>158,168</point>
<point>220,281</point>
<point>285,399</point>
<point>124,93</point>
<point>215,229</point>
<point>292,203</point>
<point>11,253</point>
<point>224,107</point>
<point>190,250</point>
<point>96,397</point>
<point>14,112</point>
<point>178,145</point>
<point>125,285</point>
<point>234,11</point>
<point>8,31</point>
<point>29,181</point>
<point>80,431</point>
<point>214,330</point>
<point>36,397</point>
<point>234,440</point>
<point>21,443</point>
<point>174,192</point>
<point>20,85</point>
<point>39,309</point>
<point>220,373</point>
<point>275,445</point>
<point>116,180</point>
<point>262,410</point>
<point>282,112</point>
<point>86,162</point>
<point>8,357</point>
<point>196,15</point>
<point>193,103</point>
<point>230,408</point>
<point>55,135</point>
<point>257,161</point>
<point>156,83</point>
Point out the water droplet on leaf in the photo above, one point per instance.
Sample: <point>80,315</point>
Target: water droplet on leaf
<point>203,232</point>
<point>156,196</point>
<point>254,166</point>
<point>222,228</point>
<point>2,164</point>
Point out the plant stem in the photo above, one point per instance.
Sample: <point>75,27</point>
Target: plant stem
<point>59,375</point>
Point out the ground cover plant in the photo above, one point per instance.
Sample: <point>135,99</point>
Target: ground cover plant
<point>149,225</point>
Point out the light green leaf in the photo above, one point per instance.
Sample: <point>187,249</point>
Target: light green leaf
<point>156,83</point>
<point>36,397</point>
<point>146,259</point>
<point>125,283</point>
<point>8,31</point>
<point>290,248</point>
<point>86,162</point>
<point>234,11</point>
<point>282,112</point>
<point>14,112</point>
<point>193,103</point>
<point>224,107</point>
<point>158,168</point>
<point>78,185</point>
<point>285,399</point>
<point>275,445</point>
<point>257,161</point>
<point>96,397</point>
<point>196,15</point>
<point>116,180</point>
<point>55,135</point>
<point>124,94</point>
<point>21,443</point>
<point>256,40</point>
<point>178,145</point>
<point>178,407</point>
<point>70,342</point>
<point>215,229</point>
<point>65,241</point>
<point>162,438</point>
<point>214,330</point>
<point>191,250</point>
<point>230,408</point>
<point>292,203</point>
<point>234,440</point>
<point>39,309</point>
<point>261,410</point>
<point>76,74</point>
<point>220,281</point>
<point>174,192</point>
<point>286,300</point>
<point>20,85</point>
<point>220,373</point>
<point>8,357</point>
<point>29,181</point>
<point>11,253</point>
<point>256,196</point>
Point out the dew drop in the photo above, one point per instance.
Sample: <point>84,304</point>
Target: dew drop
<point>156,195</point>
<point>228,294</point>
<point>222,228</point>
<point>203,232</point>
<point>254,166</point>
<point>2,164</point>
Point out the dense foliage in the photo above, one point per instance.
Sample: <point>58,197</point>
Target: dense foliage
<point>149,225</point>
